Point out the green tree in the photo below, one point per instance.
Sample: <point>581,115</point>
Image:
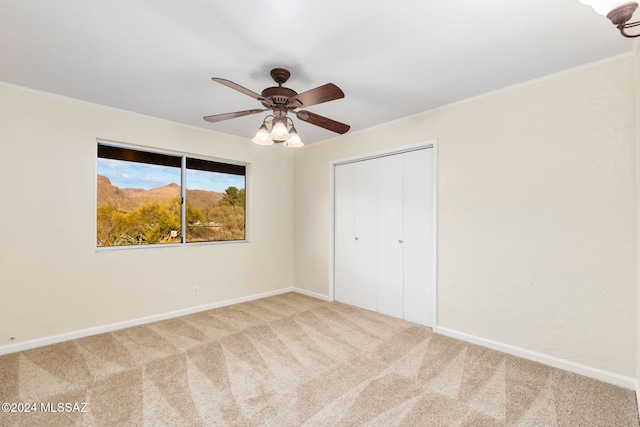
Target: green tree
<point>234,197</point>
<point>108,224</point>
<point>194,214</point>
<point>229,214</point>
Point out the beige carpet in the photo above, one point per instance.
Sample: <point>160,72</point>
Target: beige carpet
<point>292,360</point>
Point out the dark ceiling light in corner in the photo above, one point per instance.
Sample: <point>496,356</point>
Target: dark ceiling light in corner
<point>618,13</point>
<point>277,127</point>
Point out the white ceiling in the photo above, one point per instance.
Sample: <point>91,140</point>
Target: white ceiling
<point>391,58</point>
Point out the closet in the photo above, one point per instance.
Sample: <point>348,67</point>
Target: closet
<point>384,222</point>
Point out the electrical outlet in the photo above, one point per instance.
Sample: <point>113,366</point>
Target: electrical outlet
<point>196,291</point>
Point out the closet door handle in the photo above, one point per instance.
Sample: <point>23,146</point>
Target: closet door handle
<point>399,241</point>
<point>356,238</point>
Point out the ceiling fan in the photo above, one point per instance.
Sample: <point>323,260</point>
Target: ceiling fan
<point>278,127</point>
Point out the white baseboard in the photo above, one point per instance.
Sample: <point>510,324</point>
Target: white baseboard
<point>576,368</point>
<point>311,294</point>
<point>54,339</point>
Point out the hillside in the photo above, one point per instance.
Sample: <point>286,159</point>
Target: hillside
<point>128,199</point>
<point>201,199</point>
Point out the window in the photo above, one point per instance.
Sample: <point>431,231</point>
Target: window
<point>147,198</point>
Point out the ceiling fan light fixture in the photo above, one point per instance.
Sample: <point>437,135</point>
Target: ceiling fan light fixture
<point>619,13</point>
<point>262,136</point>
<point>279,131</point>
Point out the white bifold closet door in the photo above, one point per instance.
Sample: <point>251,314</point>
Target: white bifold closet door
<point>384,235</point>
<point>356,240</point>
<point>391,235</point>
<point>419,255</point>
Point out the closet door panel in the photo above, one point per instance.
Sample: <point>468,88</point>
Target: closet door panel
<point>344,243</point>
<point>390,235</point>
<point>418,241</point>
<point>366,234</point>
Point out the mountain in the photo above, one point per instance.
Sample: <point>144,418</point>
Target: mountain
<point>201,199</point>
<point>131,198</point>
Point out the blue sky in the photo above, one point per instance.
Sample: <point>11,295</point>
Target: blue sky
<point>140,175</point>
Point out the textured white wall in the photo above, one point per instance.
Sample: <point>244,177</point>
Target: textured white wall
<point>537,213</point>
<point>53,280</point>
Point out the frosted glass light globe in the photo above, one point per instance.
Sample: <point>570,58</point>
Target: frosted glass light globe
<point>294,141</point>
<point>279,132</point>
<point>262,136</point>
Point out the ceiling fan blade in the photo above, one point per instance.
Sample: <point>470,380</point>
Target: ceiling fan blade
<point>323,122</point>
<point>321,94</point>
<point>227,116</point>
<point>242,89</point>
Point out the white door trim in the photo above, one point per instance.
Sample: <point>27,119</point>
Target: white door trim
<point>391,151</point>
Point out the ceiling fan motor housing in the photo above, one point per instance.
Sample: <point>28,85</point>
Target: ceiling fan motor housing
<point>278,94</point>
